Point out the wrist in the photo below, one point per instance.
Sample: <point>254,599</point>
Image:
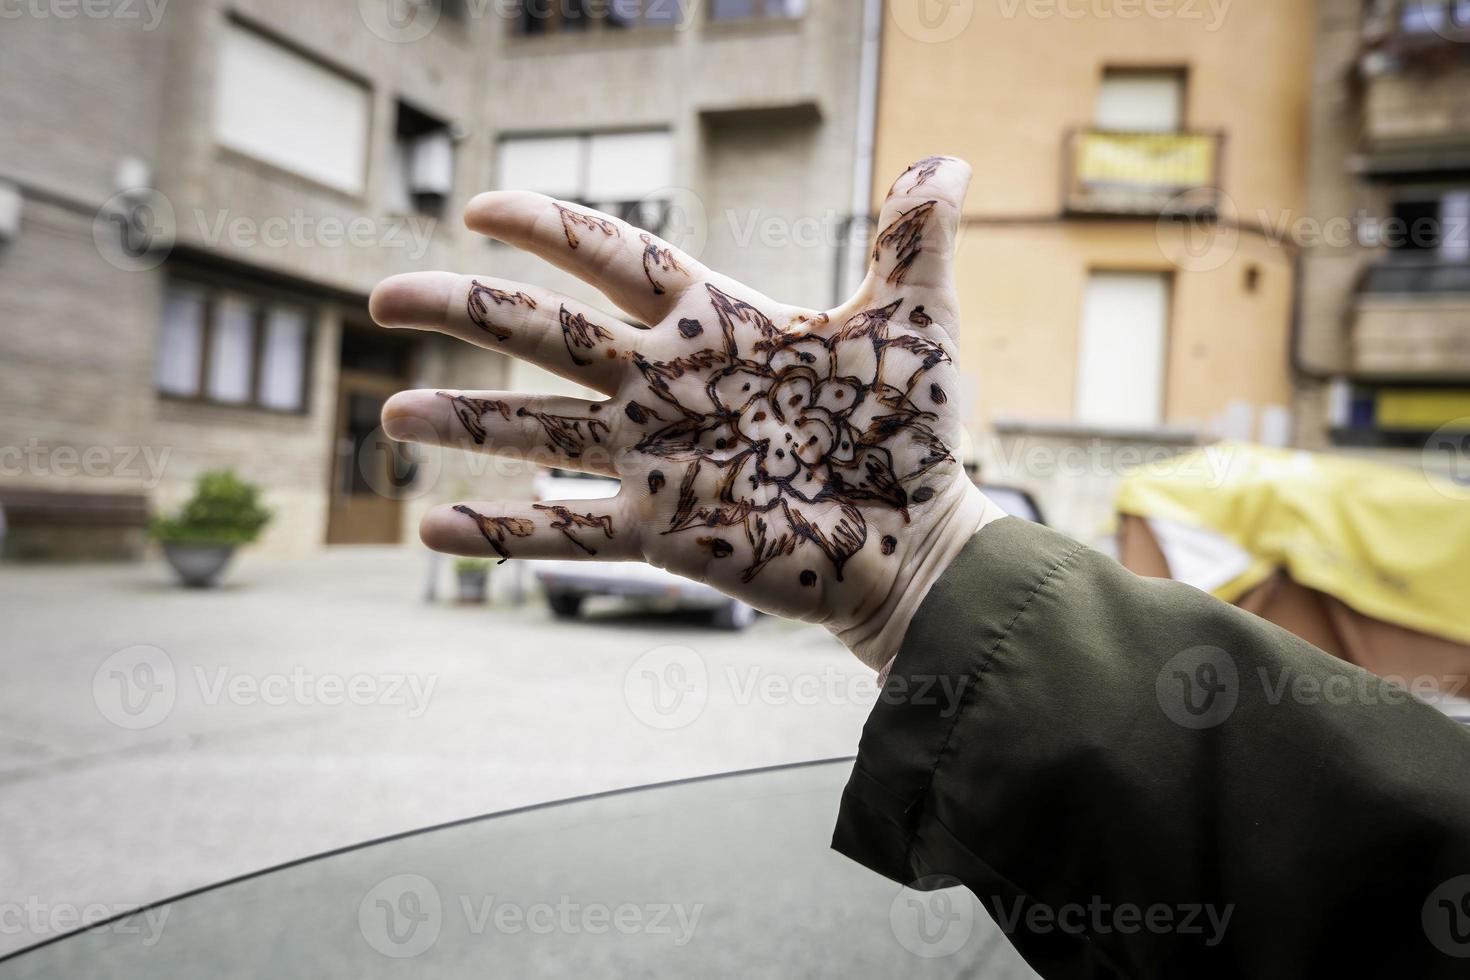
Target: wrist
<point>876,636</point>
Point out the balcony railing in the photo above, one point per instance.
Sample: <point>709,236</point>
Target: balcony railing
<point>1411,319</point>
<point>1427,277</point>
<point>1113,173</point>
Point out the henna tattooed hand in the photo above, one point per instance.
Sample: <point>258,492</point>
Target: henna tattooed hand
<point>802,461</point>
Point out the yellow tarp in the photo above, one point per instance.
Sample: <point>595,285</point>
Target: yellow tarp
<point>1391,542</point>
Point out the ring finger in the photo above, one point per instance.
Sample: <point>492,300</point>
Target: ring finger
<point>569,433</point>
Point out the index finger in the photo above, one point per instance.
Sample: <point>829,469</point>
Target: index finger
<point>638,271</point>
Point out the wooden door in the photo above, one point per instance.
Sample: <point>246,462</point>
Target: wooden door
<point>370,471</point>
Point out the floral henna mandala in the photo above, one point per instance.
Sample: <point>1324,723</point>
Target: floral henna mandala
<point>786,438</point>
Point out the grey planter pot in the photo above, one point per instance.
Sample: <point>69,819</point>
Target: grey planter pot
<point>472,585</point>
<point>198,565</point>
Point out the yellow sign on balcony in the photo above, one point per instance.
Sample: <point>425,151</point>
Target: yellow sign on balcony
<point>1152,160</point>
<point>1421,410</point>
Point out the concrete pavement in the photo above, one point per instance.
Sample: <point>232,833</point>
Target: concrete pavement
<point>154,740</point>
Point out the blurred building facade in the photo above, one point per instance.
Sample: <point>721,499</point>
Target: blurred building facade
<point>194,208</point>
<point>1121,297</point>
<point>1385,335</point>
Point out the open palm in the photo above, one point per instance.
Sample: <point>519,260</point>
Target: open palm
<point>802,461</point>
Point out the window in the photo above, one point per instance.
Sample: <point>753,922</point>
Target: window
<point>1430,226</point>
<point>421,178</point>
<point>1120,351</point>
<point>626,174</point>
<point>231,351</point>
<point>233,348</point>
<point>181,341</point>
<point>757,9</point>
<point>283,359</point>
<point>289,111</point>
<point>1134,101</point>
<point>552,16</point>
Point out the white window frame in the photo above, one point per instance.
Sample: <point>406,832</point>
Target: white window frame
<point>646,209</point>
<point>261,304</point>
<point>1118,78</point>
<point>1097,353</point>
<point>243,123</point>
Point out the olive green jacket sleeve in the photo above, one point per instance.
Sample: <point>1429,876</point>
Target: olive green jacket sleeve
<point>1138,780</point>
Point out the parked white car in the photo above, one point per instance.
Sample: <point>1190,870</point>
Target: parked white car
<point>568,584</point>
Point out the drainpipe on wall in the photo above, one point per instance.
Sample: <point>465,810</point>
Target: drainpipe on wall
<point>852,261</point>
<point>1304,373</point>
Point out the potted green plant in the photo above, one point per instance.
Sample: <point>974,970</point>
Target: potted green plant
<point>474,578</point>
<point>199,541</point>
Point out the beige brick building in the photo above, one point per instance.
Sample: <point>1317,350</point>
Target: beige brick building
<point>1120,299</point>
<point>1385,329</point>
<point>196,199</point>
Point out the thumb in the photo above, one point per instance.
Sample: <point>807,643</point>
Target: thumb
<point>918,225</point>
